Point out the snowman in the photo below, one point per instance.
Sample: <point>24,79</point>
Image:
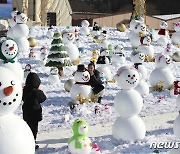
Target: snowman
<point>12,23</point>
<point>84,30</point>
<point>27,70</point>
<point>103,62</point>
<point>96,32</point>
<point>80,46</point>
<point>50,32</point>
<point>146,46</point>
<point>8,55</point>
<point>96,149</point>
<point>139,30</point>
<point>20,32</point>
<point>80,143</point>
<point>176,35</point>
<point>163,34</point>
<point>128,103</point>
<point>68,38</point>
<point>81,91</point>
<point>132,26</point>
<point>43,55</point>
<point>16,136</point>
<point>53,78</point>
<point>162,73</point>
<point>32,54</point>
<point>118,56</point>
<point>103,43</point>
<point>138,58</point>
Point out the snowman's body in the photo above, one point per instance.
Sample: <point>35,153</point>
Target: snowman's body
<point>162,72</point>
<point>81,86</point>
<point>118,56</point>
<point>163,34</point>
<point>146,46</point>
<point>53,78</point>
<point>16,136</point>
<point>128,103</point>
<point>86,146</point>
<point>80,143</point>
<point>20,32</point>
<point>140,29</point>
<point>72,50</point>
<point>43,58</point>
<point>176,35</point>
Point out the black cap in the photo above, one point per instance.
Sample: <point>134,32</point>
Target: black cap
<point>18,13</point>
<point>14,9</point>
<point>104,32</point>
<point>81,68</point>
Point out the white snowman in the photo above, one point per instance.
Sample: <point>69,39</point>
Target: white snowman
<point>102,63</point>
<point>43,55</point>
<point>84,30</point>
<point>81,90</point>
<point>132,26</point>
<point>140,30</point>
<point>163,34</point>
<point>80,143</point>
<point>20,32</point>
<point>53,78</point>
<point>104,43</point>
<point>138,58</point>
<point>33,54</point>
<point>146,46</point>
<point>16,136</point>
<point>8,54</point>
<point>128,103</point>
<point>118,55</point>
<point>162,73</point>
<point>68,37</point>
<point>176,35</point>
<point>50,32</point>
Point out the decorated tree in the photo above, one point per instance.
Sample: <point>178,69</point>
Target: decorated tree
<point>58,56</point>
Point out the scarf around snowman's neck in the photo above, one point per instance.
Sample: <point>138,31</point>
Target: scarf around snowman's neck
<point>6,60</point>
<point>78,137</point>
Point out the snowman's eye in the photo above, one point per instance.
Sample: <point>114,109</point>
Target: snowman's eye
<point>12,82</point>
<point>129,76</point>
<point>0,84</point>
<point>7,45</point>
<point>133,75</point>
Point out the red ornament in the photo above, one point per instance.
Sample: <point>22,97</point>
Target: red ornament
<point>176,87</point>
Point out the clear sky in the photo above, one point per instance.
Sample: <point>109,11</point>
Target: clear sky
<point>5,10</point>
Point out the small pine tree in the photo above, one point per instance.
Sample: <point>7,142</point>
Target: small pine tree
<point>58,56</point>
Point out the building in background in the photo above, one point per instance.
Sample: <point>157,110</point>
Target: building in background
<point>3,1</point>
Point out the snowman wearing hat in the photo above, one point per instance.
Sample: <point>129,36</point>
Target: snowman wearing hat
<point>81,91</point>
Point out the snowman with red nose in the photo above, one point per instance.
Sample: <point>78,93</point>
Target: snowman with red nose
<point>81,89</point>
<point>128,103</point>
<point>16,136</point>
<point>8,56</point>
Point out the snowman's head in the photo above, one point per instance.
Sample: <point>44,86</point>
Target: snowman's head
<point>119,48</point>
<point>13,13</point>
<point>104,52</point>
<point>44,50</point>
<point>140,28</point>
<point>21,18</point>
<point>54,71</point>
<point>85,23</point>
<point>103,35</point>
<point>137,57</point>
<point>128,77</point>
<point>164,25</point>
<point>10,91</point>
<point>9,49</point>
<point>82,76</point>
<point>176,26</point>
<point>162,60</point>
<point>28,67</point>
<point>68,36</point>
<point>146,40</point>
<point>80,127</point>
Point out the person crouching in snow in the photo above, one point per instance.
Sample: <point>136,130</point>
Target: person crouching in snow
<point>95,82</point>
<point>32,97</point>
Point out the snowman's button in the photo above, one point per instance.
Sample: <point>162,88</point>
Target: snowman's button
<point>14,100</point>
<point>10,103</point>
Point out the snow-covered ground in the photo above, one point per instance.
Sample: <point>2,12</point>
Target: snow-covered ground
<point>55,108</point>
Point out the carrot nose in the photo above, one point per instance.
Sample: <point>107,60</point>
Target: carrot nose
<point>86,76</point>
<point>11,48</point>
<point>8,90</point>
<point>132,77</point>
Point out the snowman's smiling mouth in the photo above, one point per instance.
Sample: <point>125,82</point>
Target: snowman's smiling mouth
<point>10,102</point>
<point>131,82</point>
<point>85,79</point>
